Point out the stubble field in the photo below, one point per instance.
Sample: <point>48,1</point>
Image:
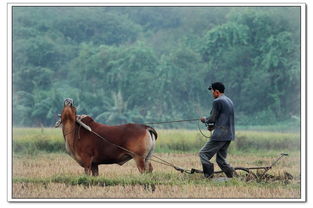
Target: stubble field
<point>53,174</point>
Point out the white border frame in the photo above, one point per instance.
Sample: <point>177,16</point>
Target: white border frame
<point>303,101</point>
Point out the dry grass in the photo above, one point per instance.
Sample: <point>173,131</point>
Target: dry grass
<point>172,183</point>
<point>61,191</point>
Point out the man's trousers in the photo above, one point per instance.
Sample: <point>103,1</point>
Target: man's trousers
<point>208,151</point>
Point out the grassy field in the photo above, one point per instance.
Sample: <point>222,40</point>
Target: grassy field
<point>41,169</point>
<point>35,140</point>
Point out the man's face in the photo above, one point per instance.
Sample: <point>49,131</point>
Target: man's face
<point>215,93</point>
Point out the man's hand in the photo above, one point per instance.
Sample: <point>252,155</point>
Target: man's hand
<point>210,128</point>
<point>203,119</point>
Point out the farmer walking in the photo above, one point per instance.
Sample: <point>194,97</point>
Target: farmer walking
<point>221,120</point>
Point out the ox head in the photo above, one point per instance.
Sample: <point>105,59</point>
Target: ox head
<point>69,110</point>
<point>68,102</point>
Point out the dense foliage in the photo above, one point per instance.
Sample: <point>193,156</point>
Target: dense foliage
<point>143,64</point>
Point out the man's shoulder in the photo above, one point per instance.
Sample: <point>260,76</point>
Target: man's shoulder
<point>223,99</point>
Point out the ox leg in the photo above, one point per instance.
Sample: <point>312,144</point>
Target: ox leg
<point>95,170</point>
<point>140,162</point>
<point>150,168</point>
<point>88,166</point>
<point>87,171</point>
<point>148,165</point>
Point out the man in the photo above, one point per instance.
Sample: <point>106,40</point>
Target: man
<point>221,120</point>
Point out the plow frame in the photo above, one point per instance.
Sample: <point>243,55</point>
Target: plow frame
<point>247,170</point>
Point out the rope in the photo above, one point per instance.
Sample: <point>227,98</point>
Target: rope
<point>163,162</point>
<point>186,120</point>
<point>191,171</point>
<point>199,112</point>
<point>208,137</point>
<point>163,122</point>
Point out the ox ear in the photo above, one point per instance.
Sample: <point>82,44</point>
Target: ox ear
<point>68,102</point>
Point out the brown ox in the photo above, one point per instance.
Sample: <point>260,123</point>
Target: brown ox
<point>118,144</point>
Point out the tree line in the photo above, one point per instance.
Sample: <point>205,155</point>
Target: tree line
<point>145,64</point>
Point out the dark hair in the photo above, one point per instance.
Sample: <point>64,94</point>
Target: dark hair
<point>217,86</point>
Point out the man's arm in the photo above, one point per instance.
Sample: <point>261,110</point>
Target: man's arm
<point>214,113</point>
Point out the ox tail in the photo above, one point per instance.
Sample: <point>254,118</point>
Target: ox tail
<point>153,135</point>
<point>152,132</point>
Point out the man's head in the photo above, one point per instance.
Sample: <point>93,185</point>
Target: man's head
<point>217,88</point>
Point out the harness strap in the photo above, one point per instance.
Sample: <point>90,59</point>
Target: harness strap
<point>83,125</point>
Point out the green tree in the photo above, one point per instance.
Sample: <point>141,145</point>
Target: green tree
<point>254,55</point>
<point>141,64</point>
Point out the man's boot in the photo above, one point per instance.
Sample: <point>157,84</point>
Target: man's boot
<point>208,170</point>
<point>230,172</point>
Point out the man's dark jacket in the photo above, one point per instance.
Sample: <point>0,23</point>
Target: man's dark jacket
<point>222,115</point>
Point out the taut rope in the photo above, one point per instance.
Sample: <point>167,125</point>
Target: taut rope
<point>163,122</point>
